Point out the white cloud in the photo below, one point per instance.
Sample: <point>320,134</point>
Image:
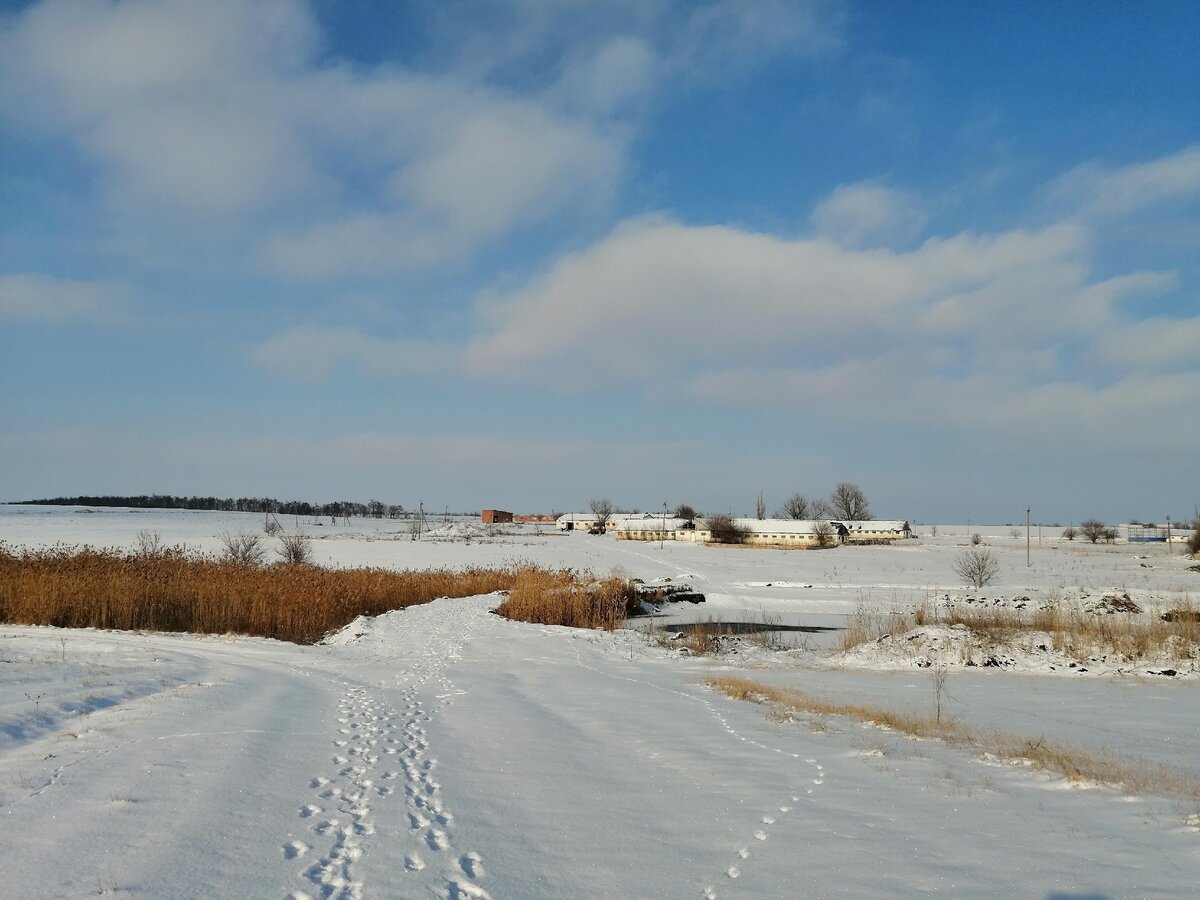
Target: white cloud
<point>1153,344</point>
<point>656,295</point>
<point>1094,190</point>
<point>866,213</point>
<point>224,111</point>
<point>311,353</point>
<point>39,298</point>
<point>225,114</point>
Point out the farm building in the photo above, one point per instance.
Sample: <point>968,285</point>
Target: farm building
<point>791,532</point>
<point>495,516</point>
<point>760,532</point>
<point>585,521</point>
<point>876,531</point>
<point>650,527</point>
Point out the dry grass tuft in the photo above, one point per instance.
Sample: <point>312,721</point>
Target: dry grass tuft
<point>567,597</point>
<point>168,590</point>
<point>1074,631</point>
<point>1076,764</point>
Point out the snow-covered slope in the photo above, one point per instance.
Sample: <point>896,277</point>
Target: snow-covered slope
<point>444,752</point>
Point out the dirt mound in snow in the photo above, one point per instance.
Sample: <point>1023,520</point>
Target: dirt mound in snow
<point>957,646</point>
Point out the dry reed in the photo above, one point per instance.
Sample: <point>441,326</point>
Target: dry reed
<point>169,590</point>
<point>567,597</point>
<point>1074,631</point>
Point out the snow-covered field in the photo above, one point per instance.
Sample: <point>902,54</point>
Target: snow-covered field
<point>444,752</point>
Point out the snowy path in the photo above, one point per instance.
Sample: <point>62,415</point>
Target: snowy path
<point>443,752</point>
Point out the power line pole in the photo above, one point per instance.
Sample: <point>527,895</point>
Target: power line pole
<point>1027,560</point>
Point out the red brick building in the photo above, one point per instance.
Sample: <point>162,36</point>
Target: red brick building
<point>495,516</point>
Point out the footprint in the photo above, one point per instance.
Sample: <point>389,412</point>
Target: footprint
<point>760,835</point>
<point>295,849</point>
<point>767,820</point>
<point>733,871</point>
<point>472,865</point>
<point>457,889</point>
<point>309,810</point>
<point>437,839</point>
<point>319,781</point>
<point>743,853</point>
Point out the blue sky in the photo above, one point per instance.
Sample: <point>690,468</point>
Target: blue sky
<point>524,254</point>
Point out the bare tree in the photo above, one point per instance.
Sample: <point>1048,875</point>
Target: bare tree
<point>602,509</point>
<point>1092,529</point>
<point>824,533</point>
<point>796,506</point>
<point>849,502</point>
<point>1110,535</point>
<point>683,511</point>
<point>1194,541</point>
<point>760,507</point>
<point>976,567</point>
<point>820,509</point>
<point>725,530</point>
<point>1070,533</point>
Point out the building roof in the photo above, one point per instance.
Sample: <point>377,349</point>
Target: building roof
<point>876,525</point>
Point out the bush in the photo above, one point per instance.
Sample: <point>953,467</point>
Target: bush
<point>824,534</point>
<point>1092,529</point>
<point>243,549</point>
<point>976,539</point>
<point>725,530</point>
<point>976,567</point>
<point>1110,535</point>
<point>295,549</point>
<point>1070,533</point>
<point>1194,541</point>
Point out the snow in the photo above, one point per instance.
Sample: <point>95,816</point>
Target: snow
<point>444,752</point>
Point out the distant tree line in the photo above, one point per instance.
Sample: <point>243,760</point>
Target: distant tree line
<point>341,508</point>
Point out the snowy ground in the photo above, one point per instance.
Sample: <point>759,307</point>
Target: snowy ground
<point>442,751</point>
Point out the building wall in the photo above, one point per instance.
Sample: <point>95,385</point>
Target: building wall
<point>493,516</point>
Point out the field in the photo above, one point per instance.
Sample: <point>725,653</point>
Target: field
<point>939,740</point>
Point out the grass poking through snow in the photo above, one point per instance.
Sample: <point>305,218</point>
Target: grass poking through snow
<point>1076,764</point>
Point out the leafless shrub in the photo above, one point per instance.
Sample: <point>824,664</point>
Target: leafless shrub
<point>295,549</point>
<point>272,527</point>
<point>1110,535</point>
<point>149,543</point>
<point>1070,533</point>
<point>976,539</point>
<point>242,549</point>
<point>824,534</point>
<point>1092,529</point>
<point>1194,540</point>
<point>976,566</point>
<point>725,530</point>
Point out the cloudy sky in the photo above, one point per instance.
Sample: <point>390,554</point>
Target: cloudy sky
<point>525,253</point>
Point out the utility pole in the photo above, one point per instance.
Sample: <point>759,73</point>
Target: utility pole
<point>1027,561</point>
<point>662,535</point>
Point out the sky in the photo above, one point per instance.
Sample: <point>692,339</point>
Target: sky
<point>523,254</point>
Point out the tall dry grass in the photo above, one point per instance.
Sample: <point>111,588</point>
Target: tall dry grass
<point>169,590</point>
<point>1076,764</point>
<point>1074,631</point>
<point>571,598</point>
